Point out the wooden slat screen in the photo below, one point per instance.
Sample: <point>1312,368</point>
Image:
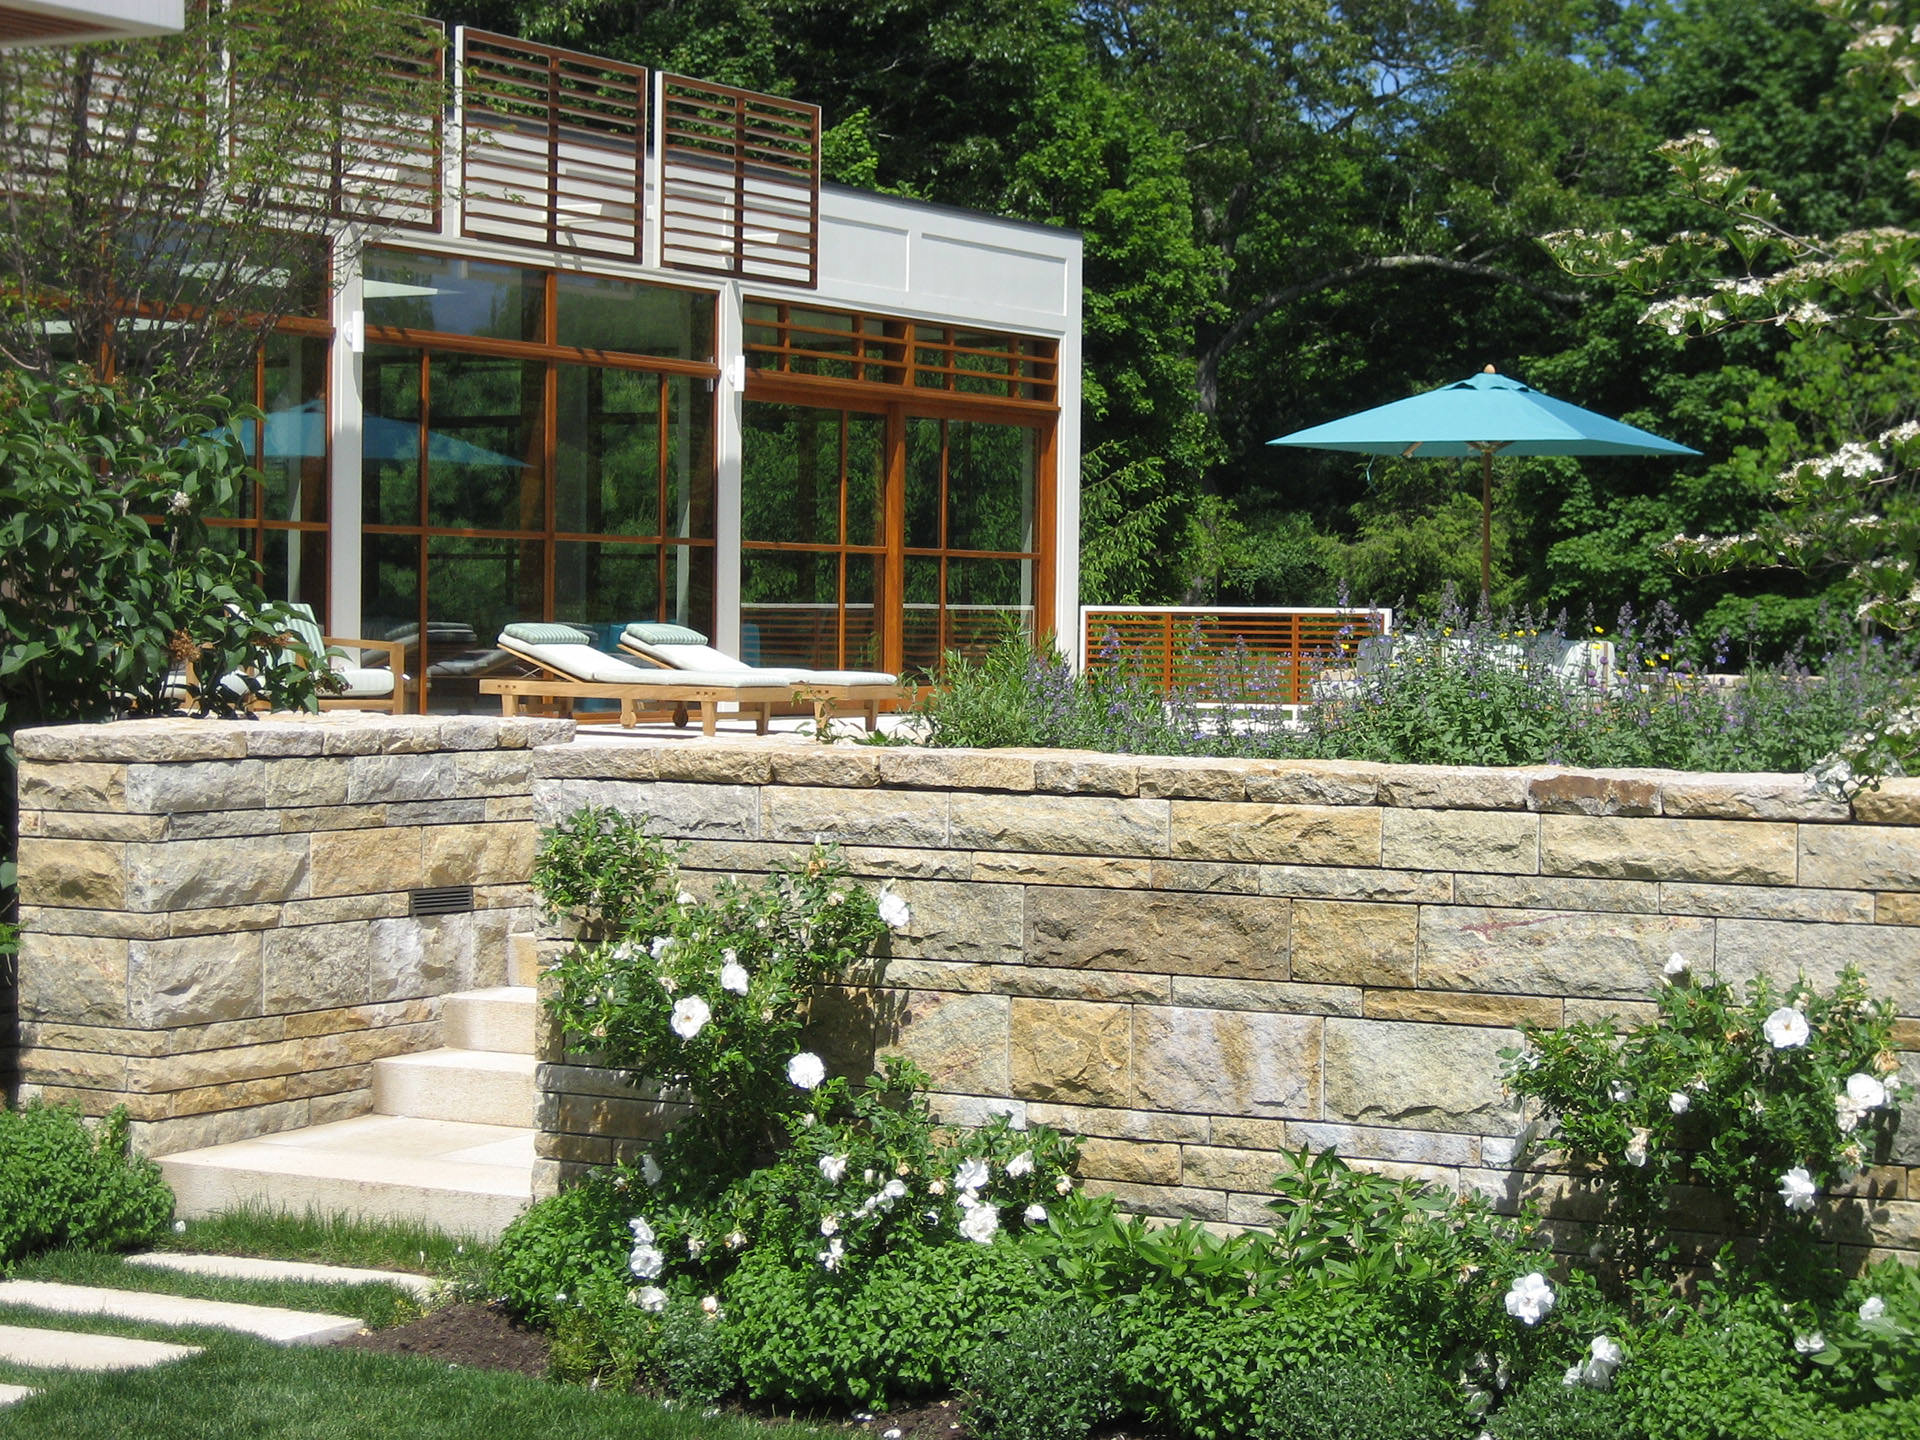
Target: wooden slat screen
<point>740,190</point>
<point>553,147</point>
<point>384,162</point>
<point>1228,655</point>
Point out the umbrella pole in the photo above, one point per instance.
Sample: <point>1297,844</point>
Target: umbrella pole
<point>1486,530</point>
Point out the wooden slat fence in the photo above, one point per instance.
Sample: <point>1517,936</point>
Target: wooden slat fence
<point>1227,653</point>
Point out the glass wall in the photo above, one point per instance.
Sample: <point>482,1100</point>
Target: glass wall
<point>536,446</point>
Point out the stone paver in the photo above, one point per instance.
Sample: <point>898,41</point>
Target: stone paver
<point>9,1394</point>
<point>282,1327</point>
<point>66,1350</point>
<point>240,1267</point>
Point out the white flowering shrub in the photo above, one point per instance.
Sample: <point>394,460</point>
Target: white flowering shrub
<point>1766,1101</point>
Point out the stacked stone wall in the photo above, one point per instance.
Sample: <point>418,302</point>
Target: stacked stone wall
<point>215,914</point>
<point>1192,964</point>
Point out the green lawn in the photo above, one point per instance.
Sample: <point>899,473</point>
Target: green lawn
<point>244,1390</point>
<point>377,1306</point>
<point>328,1240</point>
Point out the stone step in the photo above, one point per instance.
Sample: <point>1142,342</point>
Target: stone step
<point>523,961</point>
<point>245,1267</point>
<point>266,1322</point>
<point>499,1019</point>
<point>479,1087</point>
<point>11,1394</point>
<point>460,1179</point>
<point>65,1350</point>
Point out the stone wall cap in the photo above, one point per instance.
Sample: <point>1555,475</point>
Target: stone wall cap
<point>183,738</point>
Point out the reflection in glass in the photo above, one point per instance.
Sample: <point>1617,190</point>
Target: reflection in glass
<point>484,443</point>
<point>390,436</point>
<point>606,453</point>
<point>476,586</point>
<point>454,297</point>
<point>689,475</point>
<point>990,472</point>
<point>790,474</point>
<point>926,457</point>
<point>603,314</point>
<point>293,459</point>
<point>294,563</point>
<point>920,623</point>
<point>790,608</point>
<point>985,599</point>
<point>606,585</point>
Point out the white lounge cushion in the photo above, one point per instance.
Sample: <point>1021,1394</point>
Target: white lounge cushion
<point>361,684</point>
<point>843,677</point>
<point>705,657</point>
<point>686,657</point>
<point>585,664</point>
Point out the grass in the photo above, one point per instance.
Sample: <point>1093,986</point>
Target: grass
<point>376,1306</point>
<point>241,1389</point>
<point>327,1240</point>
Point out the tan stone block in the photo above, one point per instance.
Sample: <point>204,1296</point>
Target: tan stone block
<point>1276,834</point>
<point>30,822</point>
<point>362,1017</point>
<point>85,874</point>
<point>1888,957</point>
<point>1226,1061</point>
<point>1860,857</point>
<point>194,1068</point>
<point>196,786</point>
<point>855,817</point>
<point>1314,782</point>
<point>1211,876</point>
<point>1228,1169</point>
<point>227,918</point>
<point>1452,1007</point>
<point>596,758</point>
<point>280,735</point>
<point>1748,797</point>
<point>227,824</point>
<point>77,786</point>
<point>222,1127</point>
<point>340,1105</point>
<point>205,874</point>
<point>1082,773</point>
<point>716,762</point>
<point>1893,908</point>
<point>956,769</point>
<point>1726,852</point>
<point>94,825</point>
<point>196,979</point>
<point>1131,1160</point>
<point>842,766</point>
<point>102,1039</point>
<point>1158,932</point>
<point>479,854</point>
<point>960,1040</point>
<point>1178,777</point>
<point>1893,801</point>
<point>976,923</point>
<point>1443,787</point>
<point>382,779</point>
<point>84,1069</point>
<point>1429,1077</point>
<point>1337,942</point>
<point>491,772</point>
<point>1120,1124</point>
<point>507,807</point>
<point>1170,1202</point>
<point>1069,1051</point>
<point>1608,793</point>
<point>1544,892</point>
<point>1048,983</point>
<point>334,909</point>
<point>1113,871</point>
<point>1060,824</point>
<point>1323,882</point>
<point>116,924</point>
<point>343,817</point>
<point>941,975</point>
<point>317,967</point>
<point>360,862</point>
<point>1545,952</point>
<point>1368,1142</point>
<point>1765,902</point>
<point>124,741</point>
<point>221,1034</point>
<point>1622,1015</point>
<point>1205,993</point>
<point>306,783</point>
<point>1460,840</point>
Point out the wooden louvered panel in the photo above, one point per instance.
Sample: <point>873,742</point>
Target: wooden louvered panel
<point>1268,656</point>
<point>740,192</point>
<point>553,147</point>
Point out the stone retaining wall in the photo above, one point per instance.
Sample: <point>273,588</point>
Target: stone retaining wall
<point>215,914</point>
<point>1194,963</point>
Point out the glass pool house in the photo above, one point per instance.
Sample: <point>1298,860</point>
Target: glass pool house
<point>618,354</point>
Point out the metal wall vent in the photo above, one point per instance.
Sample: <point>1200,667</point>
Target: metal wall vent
<point>441,900</point>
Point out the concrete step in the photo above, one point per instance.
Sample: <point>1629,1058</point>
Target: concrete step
<point>460,1179</point>
<point>478,1087</point>
<point>66,1350</point>
<point>523,961</point>
<point>245,1267</point>
<point>500,1019</point>
<point>266,1322</point>
<point>9,1394</point>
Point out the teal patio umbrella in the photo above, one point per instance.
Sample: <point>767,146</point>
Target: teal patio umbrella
<point>1482,415</point>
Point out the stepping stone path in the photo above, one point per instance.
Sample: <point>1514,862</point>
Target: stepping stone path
<point>55,1349</point>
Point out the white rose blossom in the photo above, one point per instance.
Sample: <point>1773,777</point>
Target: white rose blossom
<point>833,1257</point>
<point>1603,1358</point>
<point>1872,1308</point>
<point>642,1231</point>
<point>1812,1343</point>
<point>1530,1298</point>
<point>1636,1151</point>
<point>833,1168</point>
<point>690,1016</point>
<point>1866,1092</point>
<point>661,945</point>
<point>1679,1102</point>
<point>646,1261</point>
<point>1676,967</point>
<point>1063,1186</point>
<point>972,1173</point>
<point>829,1226</point>
<point>981,1224</point>
<point>1620,1092</point>
<point>685,897</point>
<point>1021,1164</point>
<point>733,975</point>
<point>650,1170</point>
<point>651,1298</point>
<point>806,1070</point>
<point>735,1239</point>
<point>1035,1214</point>
<point>1785,1029</point>
<point>710,1304</point>
<point>894,911</point>
<point>1797,1190</point>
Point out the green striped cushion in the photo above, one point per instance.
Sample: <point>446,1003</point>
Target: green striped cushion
<point>649,634</point>
<point>534,634</point>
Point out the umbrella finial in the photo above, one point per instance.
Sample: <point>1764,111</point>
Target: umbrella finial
<point>1489,370</point>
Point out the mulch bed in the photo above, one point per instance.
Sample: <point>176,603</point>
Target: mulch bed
<point>487,1338</point>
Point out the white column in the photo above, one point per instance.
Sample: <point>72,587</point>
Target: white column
<point>729,342</point>
<point>343,426</point>
<point>1066,481</point>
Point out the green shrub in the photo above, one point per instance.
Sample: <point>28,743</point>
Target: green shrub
<point>1363,1399</point>
<point>1547,1408</point>
<point>696,1362</point>
<point>549,1257</point>
<point>907,1325</point>
<point>62,1183</point>
<point>1049,1377</point>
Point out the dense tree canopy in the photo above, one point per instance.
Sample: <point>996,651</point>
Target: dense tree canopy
<point>1293,210</point>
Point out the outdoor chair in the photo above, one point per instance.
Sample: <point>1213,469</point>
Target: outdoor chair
<point>570,669</point>
<point>675,647</point>
<point>359,687</point>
